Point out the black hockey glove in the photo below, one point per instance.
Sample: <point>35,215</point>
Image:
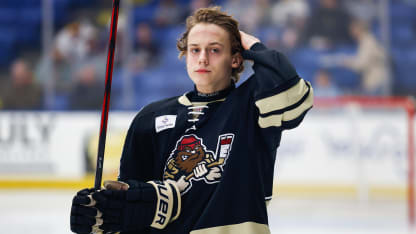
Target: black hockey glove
<point>85,218</point>
<point>152,204</point>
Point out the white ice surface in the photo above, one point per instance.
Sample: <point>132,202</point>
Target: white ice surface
<point>47,212</point>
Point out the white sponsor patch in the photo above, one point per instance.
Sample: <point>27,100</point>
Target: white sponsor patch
<point>164,122</point>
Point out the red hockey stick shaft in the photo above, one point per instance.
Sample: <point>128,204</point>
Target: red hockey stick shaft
<point>107,92</point>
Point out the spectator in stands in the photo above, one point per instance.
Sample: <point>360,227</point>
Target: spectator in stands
<point>21,92</point>
<point>289,12</point>
<point>76,44</point>
<point>371,61</point>
<point>168,12</point>
<point>58,75</point>
<point>196,4</point>
<point>72,42</point>
<point>323,85</point>
<point>146,50</point>
<point>327,26</point>
<point>251,14</point>
<point>88,90</point>
<point>290,17</point>
<point>365,10</point>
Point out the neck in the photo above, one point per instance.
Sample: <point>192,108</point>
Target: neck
<point>207,94</point>
<point>208,90</point>
<point>197,95</point>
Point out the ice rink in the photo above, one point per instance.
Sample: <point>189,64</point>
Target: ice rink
<point>47,212</point>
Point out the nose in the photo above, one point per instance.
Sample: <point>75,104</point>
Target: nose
<point>203,57</point>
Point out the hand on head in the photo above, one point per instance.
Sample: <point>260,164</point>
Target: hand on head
<point>248,40</point>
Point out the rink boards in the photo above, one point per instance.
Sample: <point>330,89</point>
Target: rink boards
<point>333,151</point>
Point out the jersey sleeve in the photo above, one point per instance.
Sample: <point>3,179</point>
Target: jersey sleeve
<point>136,161</point>
<point>281,96</point>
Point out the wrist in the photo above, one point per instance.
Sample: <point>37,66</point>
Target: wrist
<point>168,205</point>
<point>258,46</point>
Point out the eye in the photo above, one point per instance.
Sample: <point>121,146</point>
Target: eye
<point>215,50</point>
<point>187,151</point>
<point>194,50</point>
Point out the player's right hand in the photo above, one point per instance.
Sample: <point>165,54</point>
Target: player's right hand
<point>85,218</point>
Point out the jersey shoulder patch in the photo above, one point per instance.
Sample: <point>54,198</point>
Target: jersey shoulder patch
<point>164,122</point>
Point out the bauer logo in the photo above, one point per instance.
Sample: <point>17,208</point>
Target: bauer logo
<point>165,122</point>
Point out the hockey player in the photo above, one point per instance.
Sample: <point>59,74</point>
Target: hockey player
<point>202,163</point>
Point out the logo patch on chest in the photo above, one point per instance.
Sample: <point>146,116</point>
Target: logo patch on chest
<point>165,122</point>
<point>191,161</point>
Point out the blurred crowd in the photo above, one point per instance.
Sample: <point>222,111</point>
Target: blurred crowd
<point>340,46</point>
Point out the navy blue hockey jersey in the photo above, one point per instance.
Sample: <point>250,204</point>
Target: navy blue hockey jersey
<point>220,149</point>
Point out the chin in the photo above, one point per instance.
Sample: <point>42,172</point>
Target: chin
<point>203,81</point>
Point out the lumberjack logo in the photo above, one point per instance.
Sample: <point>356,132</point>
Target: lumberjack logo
<point>191,161</point>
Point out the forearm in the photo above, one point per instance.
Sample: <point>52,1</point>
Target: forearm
<point>271,68</point>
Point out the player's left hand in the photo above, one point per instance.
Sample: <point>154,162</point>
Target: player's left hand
<point>248,40</point>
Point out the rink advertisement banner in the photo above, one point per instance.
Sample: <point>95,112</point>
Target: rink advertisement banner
<point>56,145</point>
<point>329,147</point>
<point>346,147</point>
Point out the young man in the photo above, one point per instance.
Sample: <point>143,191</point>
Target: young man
<point>207,156</point>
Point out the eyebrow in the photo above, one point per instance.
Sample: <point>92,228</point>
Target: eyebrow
<point>212,43</point>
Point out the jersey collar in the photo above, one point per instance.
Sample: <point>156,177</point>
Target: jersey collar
<point>194,96</point>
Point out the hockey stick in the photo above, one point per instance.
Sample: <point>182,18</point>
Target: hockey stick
<point>223,150</point>
<point>107,92</point>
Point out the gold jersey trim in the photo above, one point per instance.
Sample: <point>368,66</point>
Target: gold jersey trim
<point>283,99</point>
<point>186,102</point>
<point>276,120</point>
<point>241,228</point>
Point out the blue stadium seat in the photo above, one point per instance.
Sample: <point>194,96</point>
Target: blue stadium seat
<point>28,25</point>
<point>82,3</point>
<point>7,45</point>
<point>30,36</point>
<point>61,12</point>
<point>267,33</point>
<point>400,12</point>
<point>345,78</point>
<point>306,62</point>
<point>171,35</point>
<point>30,15</point>
<point>7,54</point>
<point>8,16</point>
<point>8,35</point>
<point>403,34</point>
<point>403,68</point>
<point>144,14</point>
<point>30,3</point>
<point>184,2</point>
<point>9,4</point>
<point>60,102</point>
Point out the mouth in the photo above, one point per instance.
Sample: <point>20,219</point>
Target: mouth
<point>194,157</point>
<point>202,71</point>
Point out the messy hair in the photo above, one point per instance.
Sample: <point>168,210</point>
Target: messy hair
<point>214,15</point>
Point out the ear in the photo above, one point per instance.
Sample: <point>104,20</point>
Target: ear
<point>236,60</point>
